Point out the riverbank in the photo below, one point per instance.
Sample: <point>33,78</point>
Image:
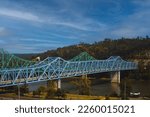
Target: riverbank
<point>13,96</point>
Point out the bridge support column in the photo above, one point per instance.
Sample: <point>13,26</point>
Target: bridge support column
<point>115,88</point>
<point>59,84</point>
<point>115,77</point>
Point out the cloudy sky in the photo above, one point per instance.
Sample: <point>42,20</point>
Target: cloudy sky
<point>29,26</point>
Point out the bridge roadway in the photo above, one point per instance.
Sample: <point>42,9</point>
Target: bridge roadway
<point>56,68</point>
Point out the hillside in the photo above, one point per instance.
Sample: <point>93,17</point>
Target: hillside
<point>134,48</point>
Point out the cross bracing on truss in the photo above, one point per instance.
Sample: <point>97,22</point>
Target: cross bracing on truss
<point>84,56</point>
<point>53,68</point>
<point>11,61</point>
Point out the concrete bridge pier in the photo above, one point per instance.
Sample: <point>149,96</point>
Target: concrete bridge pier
<point>115,88</point>
<point>59,84</point>
<point>115,77</point>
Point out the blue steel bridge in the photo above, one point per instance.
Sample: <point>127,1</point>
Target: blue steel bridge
<point>17,71</point>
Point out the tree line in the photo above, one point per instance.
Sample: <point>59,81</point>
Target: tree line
<point>128,48</point>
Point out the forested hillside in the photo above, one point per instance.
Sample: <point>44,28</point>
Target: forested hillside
<point>134,48</point>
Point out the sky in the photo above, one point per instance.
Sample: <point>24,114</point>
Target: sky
<point>33,26</point>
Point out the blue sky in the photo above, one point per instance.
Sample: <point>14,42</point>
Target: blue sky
<point>32,26</point>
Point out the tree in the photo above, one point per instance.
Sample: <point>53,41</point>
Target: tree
<point>41,90</point>
<point>83,85</point>
<point>35,93</point>
<point>60,93</point>
<point>147,37</point>
<point>51,89</point>
<point>23,89</point>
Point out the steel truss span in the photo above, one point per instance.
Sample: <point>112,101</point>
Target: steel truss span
<point>53,68</point>
<point>11,61</point>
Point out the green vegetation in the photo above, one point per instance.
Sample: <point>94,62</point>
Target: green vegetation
<point>23,89</point>
<point>83,85</point>
<point>127,48</point>
<point>53,92</point>
<point>51,89</point>
<point>40,91</point>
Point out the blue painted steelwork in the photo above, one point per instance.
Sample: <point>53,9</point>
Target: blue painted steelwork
<point>53,68</point>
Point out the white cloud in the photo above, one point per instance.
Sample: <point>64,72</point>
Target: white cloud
<point>3,31</point>
<point>19,14</point>
<point>143,3</point>
<point>125,32</point>
<point>35,40</point>
<point>76,25</point>
<point>136,24</point>
<point>79,23</point>
<point>2,42</point>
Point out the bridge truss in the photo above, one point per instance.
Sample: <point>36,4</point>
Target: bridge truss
<point>11,61</point>
<point>55,68</point>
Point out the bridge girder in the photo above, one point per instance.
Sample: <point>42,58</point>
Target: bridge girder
<point>53,68</point>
